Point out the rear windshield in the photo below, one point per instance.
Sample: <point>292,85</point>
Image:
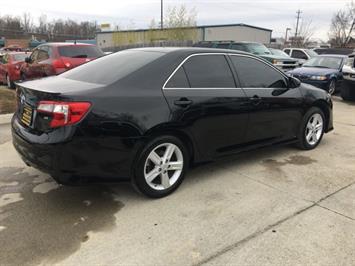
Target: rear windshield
<point>20,57</point>
<point>110,68</point>
<point>80,51</point>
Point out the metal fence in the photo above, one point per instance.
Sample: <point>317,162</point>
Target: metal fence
<point>151,44</point>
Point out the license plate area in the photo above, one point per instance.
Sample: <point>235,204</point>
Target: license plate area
<point>27,115</point>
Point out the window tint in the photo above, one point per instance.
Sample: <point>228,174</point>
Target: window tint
<point>254,74</point>
<point>223,45</point>
<point>209,71</point>
<point>179,80</point>
<point>110,68</point>
<point>299,54</point>
<point>287,51</point>
<point>79,51</point>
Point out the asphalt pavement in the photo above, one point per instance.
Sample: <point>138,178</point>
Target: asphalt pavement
<point>277,206</point>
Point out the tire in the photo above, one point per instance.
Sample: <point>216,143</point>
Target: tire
<point>150,170</point>
<point>10,84</point>
<point>332,87</point>
<point>313,121</point>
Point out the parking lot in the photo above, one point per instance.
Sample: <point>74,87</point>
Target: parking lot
<point>278,206</point>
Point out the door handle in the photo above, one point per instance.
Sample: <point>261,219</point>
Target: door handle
<point>256,99</point>
<point>184,102</point>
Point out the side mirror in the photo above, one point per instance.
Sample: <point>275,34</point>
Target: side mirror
<point>28,60</point>
<point>293,82</point>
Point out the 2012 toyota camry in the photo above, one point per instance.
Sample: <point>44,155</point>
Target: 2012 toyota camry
<point>147,114</point>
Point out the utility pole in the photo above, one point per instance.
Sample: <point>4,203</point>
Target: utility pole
<point>287,30</point>
<point>161,14</point>
<point>298,20</point>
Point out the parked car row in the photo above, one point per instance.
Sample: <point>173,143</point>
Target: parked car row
<point>280,60</point>
<point>46,60</point>
<point>348,88</point>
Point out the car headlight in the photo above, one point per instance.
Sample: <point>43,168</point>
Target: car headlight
<point>276,62</point>
<point>319,77</point>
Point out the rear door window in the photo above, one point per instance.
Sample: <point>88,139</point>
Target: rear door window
<point>209,71</point>
<point>80,51</point>
<point>178,80</point>
<point>253,73</point>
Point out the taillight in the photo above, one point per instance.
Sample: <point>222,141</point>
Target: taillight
<point>63,113</point>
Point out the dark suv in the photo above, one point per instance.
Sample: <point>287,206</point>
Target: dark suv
<point>282,62</point>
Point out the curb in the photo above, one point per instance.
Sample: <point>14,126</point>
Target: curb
<point>5,119</point>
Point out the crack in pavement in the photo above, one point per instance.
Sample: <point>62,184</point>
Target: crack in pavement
<point>267,228</point>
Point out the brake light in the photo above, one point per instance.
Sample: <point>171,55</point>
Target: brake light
<point>63,113</point>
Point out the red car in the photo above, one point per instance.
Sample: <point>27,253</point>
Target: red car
<point>55,58</point>
<point>10,65</point>
<point>12,48</point>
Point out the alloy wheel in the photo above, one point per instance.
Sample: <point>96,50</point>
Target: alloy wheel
<point>163,166</point>
<point>314,129</point>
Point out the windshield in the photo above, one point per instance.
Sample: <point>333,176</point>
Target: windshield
<point>311,53</point>
<point>324,62</point>
<point>80,51</point>
<point>110,68</point>
<point>279,53</point>
<point>20,57</point>
<point>257,48</point>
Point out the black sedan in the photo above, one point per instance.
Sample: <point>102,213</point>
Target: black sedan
<point>147,114</point>
<point>323,71</point>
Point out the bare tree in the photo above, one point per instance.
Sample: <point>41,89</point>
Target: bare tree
<point>181,23</point>
<point>305,33</point>
<point>42,24</point>
<point>342,26</point>
<point>27,22</point>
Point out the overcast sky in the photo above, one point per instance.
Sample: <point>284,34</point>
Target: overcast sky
<point>273,14</point>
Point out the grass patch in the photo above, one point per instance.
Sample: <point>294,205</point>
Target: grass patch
<point>7,100</point>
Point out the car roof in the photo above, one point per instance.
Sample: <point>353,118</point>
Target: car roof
<point>65,44</point>
<point>332,55</point>
<point>189,50</point>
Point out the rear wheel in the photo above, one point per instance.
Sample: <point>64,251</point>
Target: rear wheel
<point>312,129</point>
<point>161,167</point>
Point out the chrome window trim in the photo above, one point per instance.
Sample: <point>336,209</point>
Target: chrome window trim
<point>224,54</point>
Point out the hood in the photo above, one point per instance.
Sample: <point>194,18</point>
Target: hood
<point>313,71</point>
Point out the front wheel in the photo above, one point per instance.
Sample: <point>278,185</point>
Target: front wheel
<point>161,167</point>
<point>312,129</point>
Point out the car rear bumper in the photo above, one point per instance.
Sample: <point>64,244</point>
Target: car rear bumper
<point>77,156</point>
